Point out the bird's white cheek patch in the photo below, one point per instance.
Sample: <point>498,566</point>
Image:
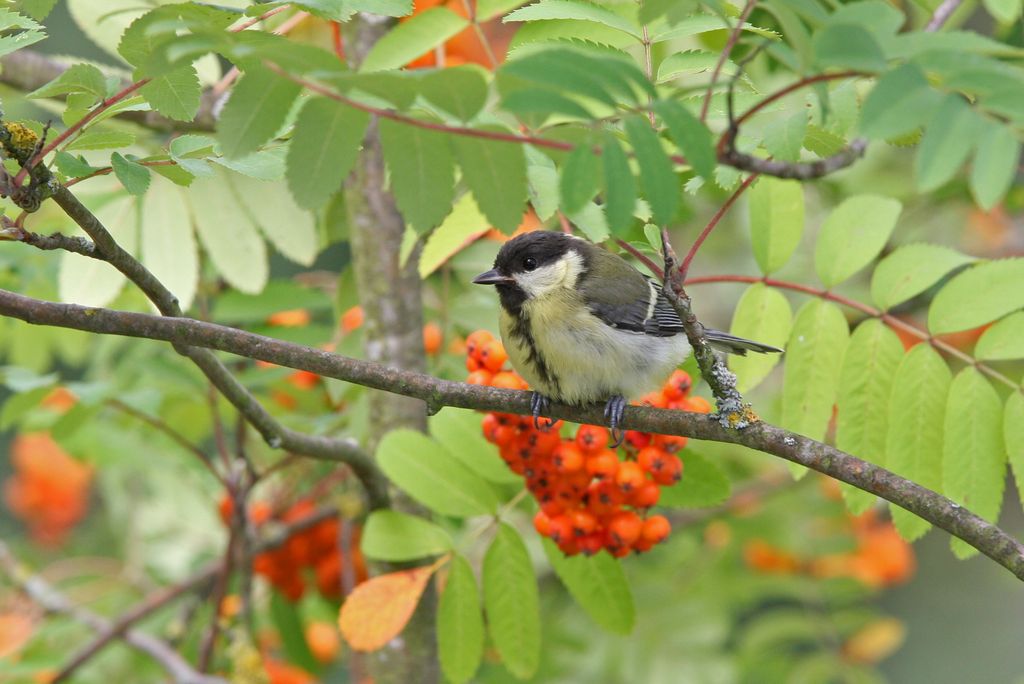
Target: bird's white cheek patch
<point>562,274</point>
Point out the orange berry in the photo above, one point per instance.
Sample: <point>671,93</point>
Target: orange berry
<point>670,472</point>
<point>226,508</point>
<point>603,498</point>
<point>561,528</point>
<point>670,443</point>
<point>476,340</point>
<point>625,528</point>
<point>637,440</point>
<point>352,319</point>
<point>303,379</point>
<point>630,476</point>
<point>323,640</point>
<point>592,438</point>
<point>542,523</point>
<point>604,464</point>
<point>655,399</point>
<point>60,400</point>
<point>644,496</point>
<point>493,356</point>
<point>651,459</point>
<point>590,544</point>
<point>583,522</point>
<point>678,385</point>
<point>292,318</point>
<point>432,338</point>
<point>473,363</point>
<point>508,380</point>
<point>283,673</point>
<point>656,529</point>
<point>480,377</point>
<point>697,405</point>
<point>568,458</point>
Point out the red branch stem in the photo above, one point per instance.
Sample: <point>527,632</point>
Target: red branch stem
<point>684,267</point>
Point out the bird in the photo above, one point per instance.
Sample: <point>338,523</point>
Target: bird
<point>583,326</point>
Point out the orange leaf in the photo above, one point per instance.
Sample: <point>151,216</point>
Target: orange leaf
<point>378,609</point>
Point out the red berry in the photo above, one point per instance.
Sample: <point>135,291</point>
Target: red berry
<point>592,438</point>
<point>625,528</point>
<point>591,544</point>
<point>671,443</point>
<point>603,498</point>
<point>656,529</point>
<point>542,523</point>
<point>561,528</point>
<point>475,342</point>
<point>480,377</point>
<point>630,476</point>
<point>583,522</point>
<point>644,496</point>
<point>568,458</point>
<point>678,385</point>
<point>493,356</point>
<point>637,440</point>
<point>603,464</point>
<point>670,472</point>
<point>651,459</point>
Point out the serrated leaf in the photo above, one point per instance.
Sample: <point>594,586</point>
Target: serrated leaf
<point>100,140</point>
<point>899,103</point>
<point>784,138</point>
<point>591,221</point>
<point>823,143</point>
<point>691,135</point>
<point>865,384</point>
<point>854,234</point>
<point>419,34</point>
<point>542,183</point>
<point>495,172</point>
<point>462,225</point>
<point>848,46</point>
<point>598,585</point>
<point>460,91</point>
<point>691,62</point>
<point>175,94</point>
<point>422,173</point>
<point>576,10</point>
<point>1013,438</point>
<point>814,358</point>
<point>702,485</point>
<point>947,141</point>
<point>1003,341</point>
<point>460,624</point>
<point>133,176</point>
<point>323,150</point>
<point>776,221</point>
<point>579,179</point>
<point>256,110</point>
<point>459,431</point>
<point>290,228</point>
<point>566,71</point>
<point>511,601</point>
<point>995,164</point>
<point>913,446</point>
<point>378,609</point>
<point>432,476</point>
<point>910,270</point>
<point>168,243</point>
<point>619,185</point>
<point>973,455</point>
<point>978,295</point>
<point>94,282</point>
<point>78,78</point>
<point>230,239</point>
<point>396,536</point>
<point>1003,11</point>
<point>266,164</point>
<point>762,314</point>
<point>657,178</point>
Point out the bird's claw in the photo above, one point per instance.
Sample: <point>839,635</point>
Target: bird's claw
<point>539,404</point>
<point>613,412</point>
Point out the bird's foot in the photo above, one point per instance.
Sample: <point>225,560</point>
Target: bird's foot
<point>540,404</point>
<point>613,412</point>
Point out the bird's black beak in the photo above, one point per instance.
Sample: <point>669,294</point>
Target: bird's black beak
<point>492,277</point>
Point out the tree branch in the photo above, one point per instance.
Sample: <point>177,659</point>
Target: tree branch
<point>929,505</point>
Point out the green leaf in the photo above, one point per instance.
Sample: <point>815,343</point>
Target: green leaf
<point>947,141</point>
<point>511,602</point>
<point>100,140</point>
<point>848,46</point>
<point>1003,341</point>
<point>460,91</point>
<point>822,142</point>
<point>37,9</point>
<point>457,230</point>
<point>175,94</point>
<point>995,164</point>
<point>619,185</point>
<point>568,72</point>
<point>762,314</point>
<point>324,148</point>
<point>460,624</point>
<point>388,8</point>
<point>133,176</point>
<point>419,34</point>
<point>598,585</point>
<point>495,172</point>
<point>978,295</point>
<point>422,172</point>
<point>1004,11</point>
<point>269,206</point>
<point>395,536</point>
<point>542,183</point>
<point>657,177</point>
<point>459,431</point>
<point>705,23</point>
<point>580,178</point>
<point>590,219</point>
<point>72,166</point>
<point>93,282</point>
<point>256,110</point>
<point>910,270</point>
<point>973,455</point>
<point>703,484</point>
<point>227,234</point>
<point>1013,438</point>
<point>865,383</point>
<point>78,78</point>
<point>814,358</point>
<point>784,138</point>
<point>899,103</point>
<point>854,234</point>
<point>287,620</point>
<point>692,137</point>
<point>168,243</point>
<point>267,164</point>
<point>432,476</point>
<point>776,221</point>
<point>692,62</point>
<point>577,10</point>
<point>913,447</point>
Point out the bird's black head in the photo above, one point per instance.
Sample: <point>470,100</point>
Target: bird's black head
<point>533,265</point>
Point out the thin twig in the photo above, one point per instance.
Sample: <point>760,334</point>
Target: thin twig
<point>734,38</point>
<point>684,267</point>
<point>166,429</point>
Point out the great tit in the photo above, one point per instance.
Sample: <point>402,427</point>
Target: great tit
<point>581,325</point>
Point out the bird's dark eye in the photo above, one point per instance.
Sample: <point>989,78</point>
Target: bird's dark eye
<point>529,263</point>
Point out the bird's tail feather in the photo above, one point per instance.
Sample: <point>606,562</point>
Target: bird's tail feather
<point>737,345</point>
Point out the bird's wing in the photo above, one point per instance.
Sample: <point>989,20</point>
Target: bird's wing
<point>627,300</point>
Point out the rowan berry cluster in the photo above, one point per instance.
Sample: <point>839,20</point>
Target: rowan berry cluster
<point>312,555</point>
<point>590,496</point>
